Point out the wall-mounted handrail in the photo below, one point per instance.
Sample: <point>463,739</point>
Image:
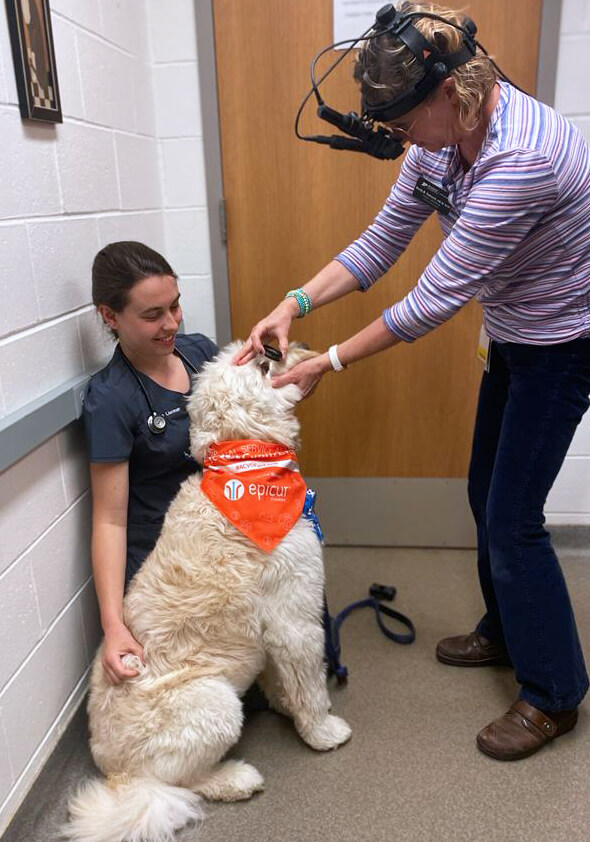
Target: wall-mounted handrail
<point>23,430</point>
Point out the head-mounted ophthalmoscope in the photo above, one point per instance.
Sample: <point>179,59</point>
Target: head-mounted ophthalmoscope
<point>362,134</point>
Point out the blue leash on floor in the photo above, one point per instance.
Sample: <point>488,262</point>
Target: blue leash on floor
<point>377,593</point>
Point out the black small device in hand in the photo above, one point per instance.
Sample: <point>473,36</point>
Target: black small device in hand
<point>272,353</point>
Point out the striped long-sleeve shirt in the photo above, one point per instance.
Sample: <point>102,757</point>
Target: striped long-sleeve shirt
<point>517,236</point>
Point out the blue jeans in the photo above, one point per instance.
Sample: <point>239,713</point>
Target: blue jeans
<point>530,403</point>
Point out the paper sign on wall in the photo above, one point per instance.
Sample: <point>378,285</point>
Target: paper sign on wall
<point>353,17</point>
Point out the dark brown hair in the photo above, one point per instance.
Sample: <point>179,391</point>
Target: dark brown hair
<point>119,266</point>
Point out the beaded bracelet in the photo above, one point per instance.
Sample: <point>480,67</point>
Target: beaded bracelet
<point>303,299</point>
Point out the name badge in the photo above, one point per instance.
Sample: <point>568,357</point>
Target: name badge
<point>483,349</point>
<point>433,195</point>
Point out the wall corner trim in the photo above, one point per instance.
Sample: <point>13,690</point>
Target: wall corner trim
<point>548,51</point>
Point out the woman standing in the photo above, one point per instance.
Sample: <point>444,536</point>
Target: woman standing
<point>511,179</point>
<point>136,425</point>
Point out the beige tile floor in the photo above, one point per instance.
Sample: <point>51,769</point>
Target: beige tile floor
<point>412,772</point>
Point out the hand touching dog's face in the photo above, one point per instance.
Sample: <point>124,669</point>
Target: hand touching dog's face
<point>239,402</point>
<point>296,353</point>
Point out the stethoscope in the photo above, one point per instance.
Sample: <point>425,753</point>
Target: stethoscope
<point>156,421</point>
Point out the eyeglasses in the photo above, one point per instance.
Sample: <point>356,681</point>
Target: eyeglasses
<point>404,128</point>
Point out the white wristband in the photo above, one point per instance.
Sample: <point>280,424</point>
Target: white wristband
<point>333,354</point>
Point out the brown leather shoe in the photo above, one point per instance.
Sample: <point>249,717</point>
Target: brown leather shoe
<point>523,730</point>
<point>471,650</point>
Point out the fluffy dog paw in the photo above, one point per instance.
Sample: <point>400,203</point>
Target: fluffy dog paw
<point>234,780</point>
<point>326,734</point>
<point>132,662</point>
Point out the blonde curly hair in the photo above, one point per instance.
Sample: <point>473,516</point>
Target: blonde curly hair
<point>386,68</point>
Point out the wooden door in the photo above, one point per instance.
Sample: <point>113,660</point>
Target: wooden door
<point>291,206</point>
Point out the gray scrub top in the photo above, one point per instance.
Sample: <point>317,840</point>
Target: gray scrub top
<point>115,420</point>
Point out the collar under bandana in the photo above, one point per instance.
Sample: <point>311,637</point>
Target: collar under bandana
<point>257,486</point>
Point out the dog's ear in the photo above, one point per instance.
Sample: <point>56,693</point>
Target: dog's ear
<point>202,408</point>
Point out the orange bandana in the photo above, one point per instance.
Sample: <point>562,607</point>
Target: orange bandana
<point>257,486</point>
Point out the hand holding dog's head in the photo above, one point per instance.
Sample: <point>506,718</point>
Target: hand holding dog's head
<point>239,402</point>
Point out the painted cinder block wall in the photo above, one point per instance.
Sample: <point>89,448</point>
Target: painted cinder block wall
<point>569,500</point>
<point>127,163</point>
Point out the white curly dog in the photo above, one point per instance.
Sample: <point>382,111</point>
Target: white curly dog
<point>213,613</point>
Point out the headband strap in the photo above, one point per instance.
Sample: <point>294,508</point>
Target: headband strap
<point>437,66</point>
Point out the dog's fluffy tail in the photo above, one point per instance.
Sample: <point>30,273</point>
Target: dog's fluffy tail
<point>130,809</point>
